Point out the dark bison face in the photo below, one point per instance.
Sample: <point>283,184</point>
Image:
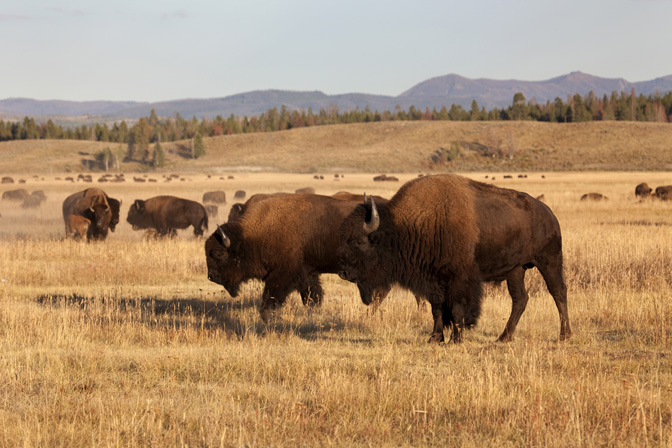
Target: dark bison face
<point>224,264</point>
<point>115,205</point>
<point>101,220</point>
<point>359,253</point>
<point>137,216</point>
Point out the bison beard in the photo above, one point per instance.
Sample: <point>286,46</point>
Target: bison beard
<point>442,236</point>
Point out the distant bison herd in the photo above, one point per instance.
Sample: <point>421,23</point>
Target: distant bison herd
<point>440,237</point>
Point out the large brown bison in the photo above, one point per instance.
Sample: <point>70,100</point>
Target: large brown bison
<point>442,236</point>
<point>594,197</point>
<point>216,197</point>
<point>642,191</point>
<point>286,240</point>
<point>165,214</point>
<point>93,205</point>
<point>15,195</point>
<point>664,193</point>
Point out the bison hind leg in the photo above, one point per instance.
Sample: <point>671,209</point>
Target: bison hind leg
<point>515,283</point>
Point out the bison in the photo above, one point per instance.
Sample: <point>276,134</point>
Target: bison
<point>664,193</point>
<point>441,236</point>
<point>237,210</point>
<point>167,213</point>
<point>642,191</point>
<point>305,190</point>
<point>239,194</point>
<point>287,241</point>
<point>594,197</point>
<point>15,195</point>
<point>215,197</point>
<point>93,205</point>
<point>78,226</point>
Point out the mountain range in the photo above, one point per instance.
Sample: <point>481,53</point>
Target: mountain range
<point>433,93</point>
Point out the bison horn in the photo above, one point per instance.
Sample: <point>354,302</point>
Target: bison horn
<point>225,239</point>
<point>372,225</point>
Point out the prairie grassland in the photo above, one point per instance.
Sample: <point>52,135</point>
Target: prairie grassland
<point>126,343</point>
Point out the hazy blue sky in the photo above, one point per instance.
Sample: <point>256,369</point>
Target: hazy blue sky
<point>145,50</point>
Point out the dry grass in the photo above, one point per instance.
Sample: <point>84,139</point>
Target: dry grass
<point>126,343</point>
<point>388,147</point>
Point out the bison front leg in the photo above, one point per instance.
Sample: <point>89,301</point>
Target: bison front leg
<point>311,291</point>
<point>464,300</point>
<point>438,310</point>
<point>275,293</point>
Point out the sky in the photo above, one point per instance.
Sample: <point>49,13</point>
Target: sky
<point>146,50</point>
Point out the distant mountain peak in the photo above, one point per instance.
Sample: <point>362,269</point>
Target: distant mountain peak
<point>435,92</point>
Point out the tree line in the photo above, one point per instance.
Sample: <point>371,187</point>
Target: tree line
<point>143,136</point>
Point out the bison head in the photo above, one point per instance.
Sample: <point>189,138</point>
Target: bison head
<point>222,251</point>
<point>102,215</point>
<point>359,254</point>
<point>137,216</point>
<point>115,205</point>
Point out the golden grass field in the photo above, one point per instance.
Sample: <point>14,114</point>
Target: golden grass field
<point>126,342</point>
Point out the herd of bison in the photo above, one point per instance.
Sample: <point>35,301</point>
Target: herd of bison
<point>440,237</point>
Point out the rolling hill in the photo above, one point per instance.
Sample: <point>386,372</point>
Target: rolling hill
<point>401,147</point>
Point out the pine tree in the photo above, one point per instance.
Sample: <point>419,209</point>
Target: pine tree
<point>159,157</point>
<point>197,147</point>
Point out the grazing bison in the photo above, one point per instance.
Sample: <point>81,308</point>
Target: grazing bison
<point>642,191</point>
<point>78,226</point>
<point>215,197</point>
<point>240,194</point>
<point>594,197</point>
<point>7,180</point>
<point>287,241</point>
<point>93,205</point>
<point>664,193</point>
<point>442,236</point>
<point>305,190</point>
<point>165,214</point>
<point>15,195</point>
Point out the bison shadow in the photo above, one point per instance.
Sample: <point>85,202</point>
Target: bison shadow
<point>199,314</point>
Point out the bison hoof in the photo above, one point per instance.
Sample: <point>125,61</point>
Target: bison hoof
<point>435,339</point>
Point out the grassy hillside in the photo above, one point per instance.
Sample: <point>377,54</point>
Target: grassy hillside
<point>389,147</point>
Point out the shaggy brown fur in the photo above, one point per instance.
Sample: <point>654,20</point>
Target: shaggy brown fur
<point>287,241</point>
<point>167,213</point>
<point>442,236</point>
<point>642,191</point>
<point>93,205</point>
